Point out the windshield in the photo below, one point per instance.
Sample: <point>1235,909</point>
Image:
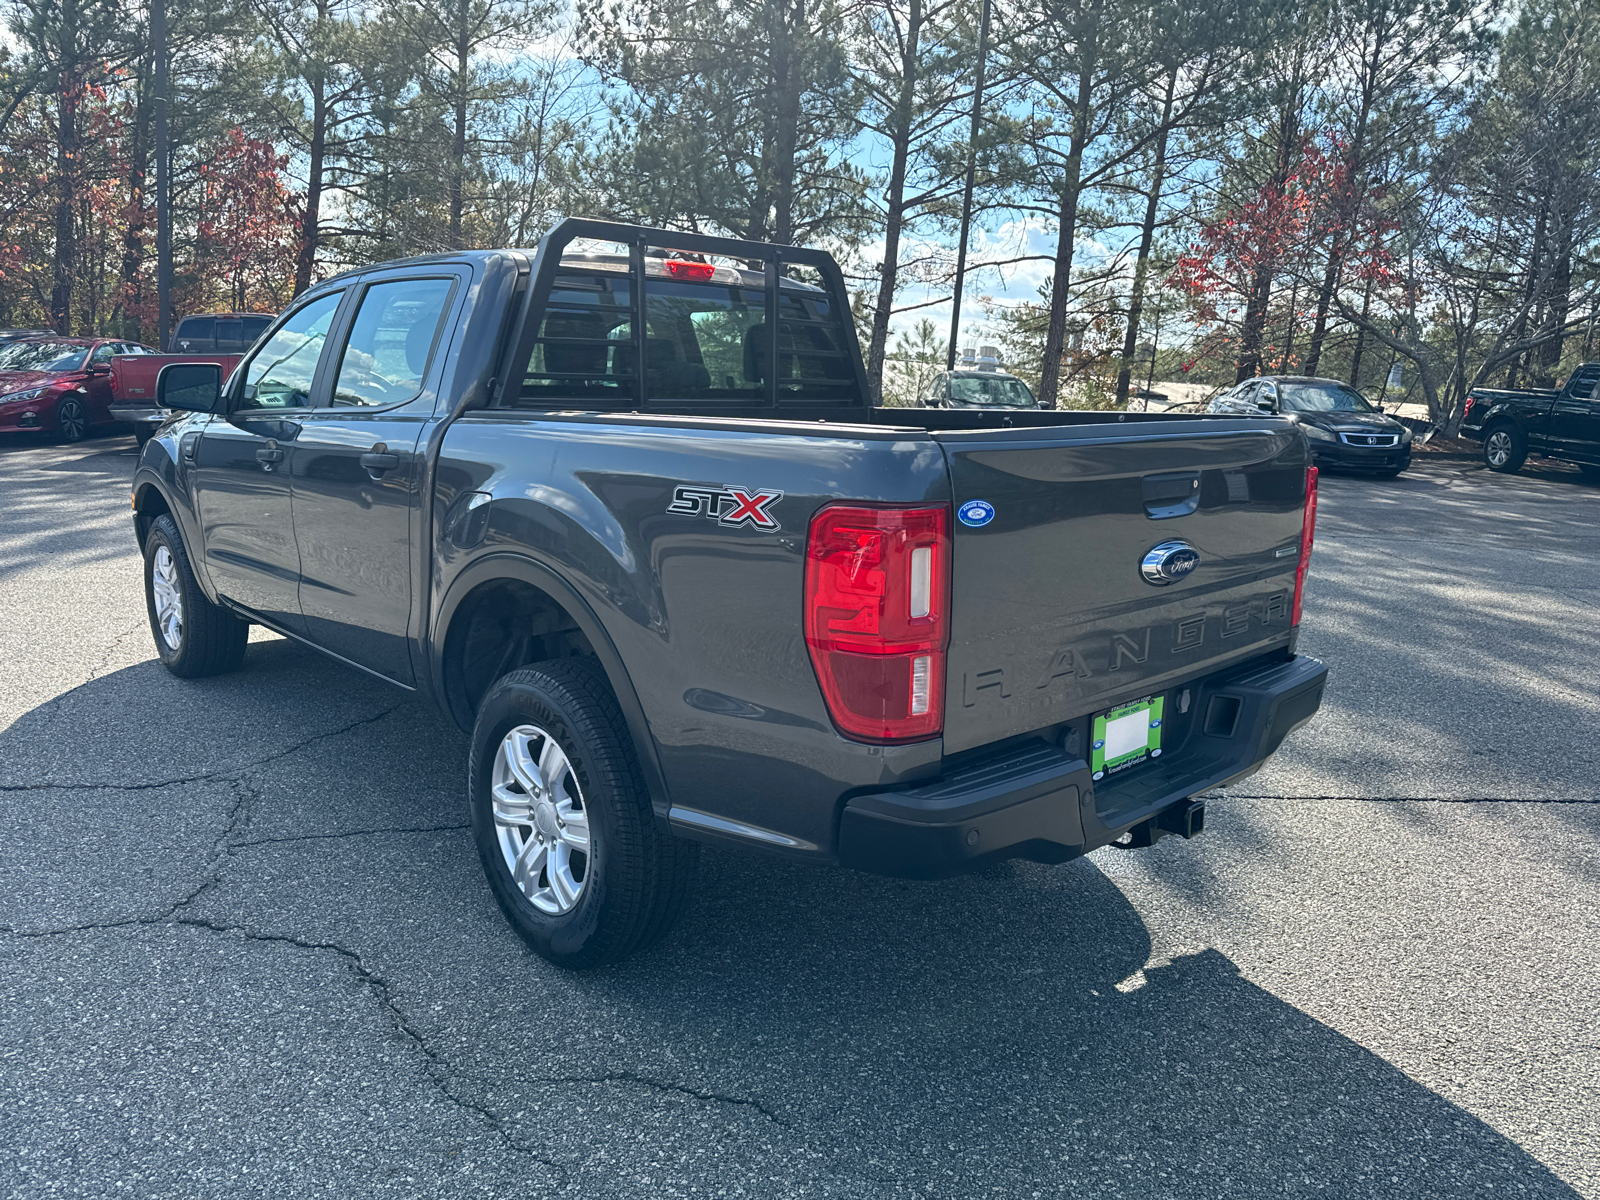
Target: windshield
<point>1001,390</point>
<point>1321,397</point>
<point>41,356</point>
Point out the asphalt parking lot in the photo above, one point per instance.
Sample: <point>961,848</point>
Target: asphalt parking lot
<point>248,952</point>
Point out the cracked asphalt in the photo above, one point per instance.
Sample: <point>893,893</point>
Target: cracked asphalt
<point>247,951</point>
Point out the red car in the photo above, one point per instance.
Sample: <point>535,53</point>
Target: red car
<point>58,385</point>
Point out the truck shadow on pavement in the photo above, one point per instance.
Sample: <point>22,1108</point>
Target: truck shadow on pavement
<point>802,1030</point>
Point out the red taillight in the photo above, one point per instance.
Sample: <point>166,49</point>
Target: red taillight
<point>877,618</point>
<point>1308,529</point>
<point>695,272</point>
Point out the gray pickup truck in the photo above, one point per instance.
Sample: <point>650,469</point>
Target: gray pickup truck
<point>624,514</point>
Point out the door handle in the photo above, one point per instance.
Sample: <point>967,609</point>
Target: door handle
<point>268,455</point>
<point>378,460</point>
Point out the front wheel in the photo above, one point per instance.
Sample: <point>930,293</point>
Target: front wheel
<point>1505,449</point>
<point>563,822</point>
<point>72,419</point>
<point>194,637</point>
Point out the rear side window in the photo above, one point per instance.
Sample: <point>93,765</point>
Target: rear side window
<point>254,327</point>
<point>194,335</point>
<point>391,342</point>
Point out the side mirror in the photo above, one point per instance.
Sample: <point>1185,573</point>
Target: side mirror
<point>99,368</point>
<point>190,387</point>
<point>1266,406</point>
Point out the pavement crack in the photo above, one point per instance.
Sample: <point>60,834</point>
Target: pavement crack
<point>671,1089</point>
<point>203,776</point>
<point>351,833</point>
<point>382,992</point>
<point>1420,799</point>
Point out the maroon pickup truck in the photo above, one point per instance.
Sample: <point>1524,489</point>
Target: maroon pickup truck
<point>220,338</point>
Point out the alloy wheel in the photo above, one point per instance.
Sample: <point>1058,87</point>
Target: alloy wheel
<point>69,415</point>
<point>540,819</point>
<point>1498,449</point>
<point>168,597</point>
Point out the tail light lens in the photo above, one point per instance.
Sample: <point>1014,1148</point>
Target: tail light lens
<point>1308,529</point>
<point>877,618</point>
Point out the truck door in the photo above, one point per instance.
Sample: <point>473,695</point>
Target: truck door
<point>241,463</point>
<point>1575,417</point>
<point>357,471</point>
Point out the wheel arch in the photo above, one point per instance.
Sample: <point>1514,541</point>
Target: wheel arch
<point>149,502</point>
<point>540,616</point>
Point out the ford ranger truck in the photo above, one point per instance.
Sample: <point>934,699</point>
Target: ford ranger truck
<point>619,507</point>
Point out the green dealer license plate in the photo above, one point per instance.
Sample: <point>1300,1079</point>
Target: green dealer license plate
<point>1125,737</point>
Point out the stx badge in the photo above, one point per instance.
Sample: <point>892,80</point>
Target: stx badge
<point>727,505</point>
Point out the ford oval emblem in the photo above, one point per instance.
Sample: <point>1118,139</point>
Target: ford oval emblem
<point>976,513</point>
<point>1169,562</point>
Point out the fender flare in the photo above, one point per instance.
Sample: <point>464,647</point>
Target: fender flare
<point>507,565</point>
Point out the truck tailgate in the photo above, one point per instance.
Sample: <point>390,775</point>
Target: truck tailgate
<point>1051,616</point>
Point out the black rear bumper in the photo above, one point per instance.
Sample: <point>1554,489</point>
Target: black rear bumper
<point>1037,801</point>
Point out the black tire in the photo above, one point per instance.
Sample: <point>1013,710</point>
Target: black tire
<point>636,876</point>
<point>1590,472</point>
<point>72,419</point>
<point>211,639</point>
<point>142,433</point>
<point>1505,448</point>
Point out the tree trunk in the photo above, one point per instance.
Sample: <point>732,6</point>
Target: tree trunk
<point>66,214</point>
<point>310,224</point>
<point>787,132</point>
<point>1130,336</point>
<point>130,289</point>
<point>900,134</point>
<point>1361,333</point>
<point>1345,206</point>
<point>458,143</point>
<point>1055,338</point>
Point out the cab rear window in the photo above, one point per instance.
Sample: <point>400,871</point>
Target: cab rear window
<point>705,342</point>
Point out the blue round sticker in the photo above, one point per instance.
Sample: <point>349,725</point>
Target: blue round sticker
<point>976,513</point>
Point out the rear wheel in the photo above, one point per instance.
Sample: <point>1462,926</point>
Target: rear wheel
<point>563,822</point>
<point>1591,472</point>
<point>72,419</point>
<point>1505,449</point>
<point>194,637</point>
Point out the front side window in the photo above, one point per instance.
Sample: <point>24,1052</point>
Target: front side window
<point>42,356</point>
<point>391,342</point>
<point>104,351</point>
<point>281,372</point>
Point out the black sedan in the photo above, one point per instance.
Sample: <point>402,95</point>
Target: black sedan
<point>1343,427</point>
